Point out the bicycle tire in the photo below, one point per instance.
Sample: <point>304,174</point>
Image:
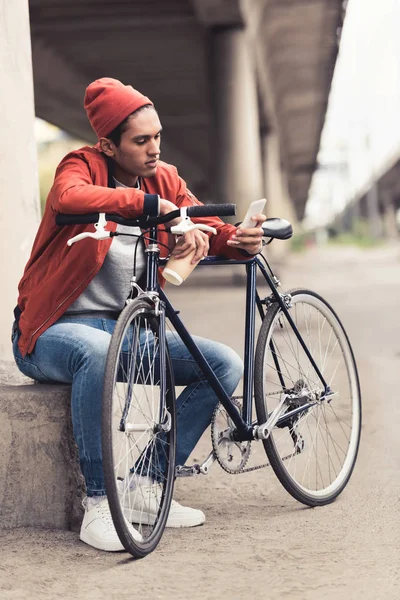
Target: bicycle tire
<point>314,453</point>
<point>138,454</point>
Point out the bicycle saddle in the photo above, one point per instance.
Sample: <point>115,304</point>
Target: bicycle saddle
<point>279,229</point>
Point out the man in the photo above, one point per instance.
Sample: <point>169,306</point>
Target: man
<point>70,297</point>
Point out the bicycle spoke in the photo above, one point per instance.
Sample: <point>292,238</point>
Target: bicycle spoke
<point>140,453</point>
<point>314,451</point>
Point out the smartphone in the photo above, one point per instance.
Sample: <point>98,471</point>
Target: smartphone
<point>255,208</point>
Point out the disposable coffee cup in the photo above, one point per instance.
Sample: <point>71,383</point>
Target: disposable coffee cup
<point>179,269</point>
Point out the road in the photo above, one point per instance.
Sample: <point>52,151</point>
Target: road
<point>257,540</point>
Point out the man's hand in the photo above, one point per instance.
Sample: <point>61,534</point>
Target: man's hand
<point>166,207</point>
<point>249,239</point>
<point>191,240</point>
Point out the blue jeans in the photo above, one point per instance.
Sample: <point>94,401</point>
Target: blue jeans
<point>74,350</point>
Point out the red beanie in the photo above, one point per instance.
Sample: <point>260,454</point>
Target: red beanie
<point>108,102</point>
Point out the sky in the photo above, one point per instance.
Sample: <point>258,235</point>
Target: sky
<point>361,136</point>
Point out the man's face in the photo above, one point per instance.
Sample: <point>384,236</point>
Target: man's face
<point>139,150</point>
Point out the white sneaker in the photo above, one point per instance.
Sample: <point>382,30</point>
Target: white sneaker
<point>98,529</point>
<point>141,505</point>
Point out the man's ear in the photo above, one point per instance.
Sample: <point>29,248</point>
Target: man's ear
<point>107,147</point>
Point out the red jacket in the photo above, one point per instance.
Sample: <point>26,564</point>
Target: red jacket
<point>56,274</point>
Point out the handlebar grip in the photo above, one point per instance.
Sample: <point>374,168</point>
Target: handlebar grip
<point>212,210</point>
<point>64,219</point>
<point>84,219</point>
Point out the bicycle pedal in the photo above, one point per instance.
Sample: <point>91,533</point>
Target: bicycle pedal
<point>187,471</point>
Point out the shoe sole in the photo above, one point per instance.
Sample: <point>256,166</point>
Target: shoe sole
<point>106,546</point>
<point>135,516</point>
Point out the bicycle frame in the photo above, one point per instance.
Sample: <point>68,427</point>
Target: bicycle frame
<point>246,429</point>
<point>140,461</point>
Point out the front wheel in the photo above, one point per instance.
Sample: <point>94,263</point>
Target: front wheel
<point>139,428</point>
<point>314,451</point>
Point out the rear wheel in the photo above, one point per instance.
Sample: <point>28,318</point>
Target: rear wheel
<point>313,452</point>
<point>139,428</point>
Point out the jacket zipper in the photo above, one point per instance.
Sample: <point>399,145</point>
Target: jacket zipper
<point>56,309</point>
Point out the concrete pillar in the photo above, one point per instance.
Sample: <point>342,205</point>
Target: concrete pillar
<point>238,165</point>
<point>389,215</point>
<point>19,190</point>
<point>355,216</point>
<point>373,216</point>
<point>276,191</point>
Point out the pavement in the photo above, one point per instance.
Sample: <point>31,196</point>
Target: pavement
<point>257,540</point>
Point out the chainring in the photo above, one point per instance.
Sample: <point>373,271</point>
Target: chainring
<point>232,456</point>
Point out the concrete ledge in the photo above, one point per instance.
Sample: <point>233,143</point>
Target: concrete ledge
<point>40,480</point>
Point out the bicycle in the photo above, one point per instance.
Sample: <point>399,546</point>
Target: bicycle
<point>301,377</point>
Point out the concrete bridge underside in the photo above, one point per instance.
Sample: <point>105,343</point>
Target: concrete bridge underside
<point>204,63</point>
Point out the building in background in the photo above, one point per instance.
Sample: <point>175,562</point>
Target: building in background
<point>359,162</point>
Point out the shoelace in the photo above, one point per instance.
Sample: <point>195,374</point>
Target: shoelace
<point>105,514</point>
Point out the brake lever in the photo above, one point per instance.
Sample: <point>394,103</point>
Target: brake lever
<point>99,234</point>
<point>187,225</point>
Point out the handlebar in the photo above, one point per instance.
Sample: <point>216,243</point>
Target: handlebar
<point>100,220</point>
<point>205,210</point>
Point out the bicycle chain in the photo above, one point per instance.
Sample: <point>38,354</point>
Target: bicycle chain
<point>260,466</point>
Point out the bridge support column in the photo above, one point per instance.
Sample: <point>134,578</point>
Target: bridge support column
<point>238,148</point>
<point>389,215</point>
<point>373,216</point>
<point>19,190</point>
<point>276,192</point>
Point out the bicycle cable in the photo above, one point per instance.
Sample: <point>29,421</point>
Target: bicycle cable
<point>140,237</point>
